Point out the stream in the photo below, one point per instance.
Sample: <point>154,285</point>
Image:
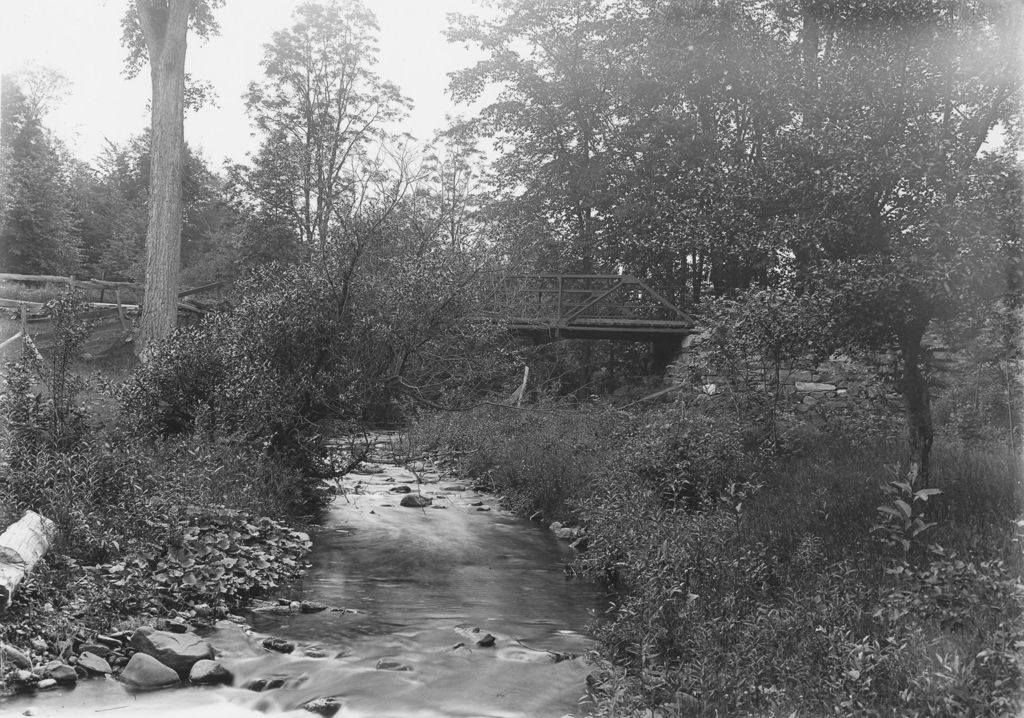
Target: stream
<point>412,591</point>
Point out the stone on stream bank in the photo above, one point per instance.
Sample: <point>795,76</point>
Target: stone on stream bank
<point>60,672</point>
<point>208,672</point>
<point>146,673</point>
<point>93,664</point>
<point>178,651</point>
<point>17,657</point>
<point>566,533</point>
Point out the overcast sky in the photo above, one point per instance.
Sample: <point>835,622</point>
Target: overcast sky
<point>81,39</point>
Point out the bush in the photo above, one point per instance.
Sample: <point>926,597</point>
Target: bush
<point>540,459</point>
<point>40,398</point>
<point>310,345</point>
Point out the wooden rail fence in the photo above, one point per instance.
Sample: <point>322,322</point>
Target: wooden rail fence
<point>31,311</point>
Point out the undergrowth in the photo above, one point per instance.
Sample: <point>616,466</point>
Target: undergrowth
<point>752,579</point>
<point>143,522</point>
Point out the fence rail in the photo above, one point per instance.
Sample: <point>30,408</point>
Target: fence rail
<point>103,286</point>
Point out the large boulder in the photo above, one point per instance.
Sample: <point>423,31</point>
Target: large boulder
<point>178,651</point>
<point>145,673</point>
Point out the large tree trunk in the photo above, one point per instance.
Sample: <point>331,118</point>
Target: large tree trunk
<point>164,26</point>
<point>21,546</point>
<point>917,404</point>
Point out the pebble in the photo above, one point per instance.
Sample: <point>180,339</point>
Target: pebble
<point>486,642</point>
<point>97,649</point>
<point>24,677</point>
<point>109,641</point>
<point>176,626</point>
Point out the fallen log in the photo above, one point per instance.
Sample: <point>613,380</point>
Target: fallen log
<point>21,546</point>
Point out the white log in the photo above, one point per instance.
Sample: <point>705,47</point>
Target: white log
<point>21,546</point>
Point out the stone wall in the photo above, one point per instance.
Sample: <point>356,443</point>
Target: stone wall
<point>836,385</point>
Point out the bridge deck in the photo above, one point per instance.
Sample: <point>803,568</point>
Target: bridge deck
<point>587,306</point>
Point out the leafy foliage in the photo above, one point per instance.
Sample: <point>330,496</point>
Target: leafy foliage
<point>41,398</point>
<point>901,519</point>
<point>317,343</point>
<point>210,555</point>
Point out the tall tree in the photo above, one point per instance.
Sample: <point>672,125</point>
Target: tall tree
<point>37,223</point>
<point>904,98</point>
<point>112,211</point>
<point>555,71</point>
<point>159,29</point>
<point>321,109</point>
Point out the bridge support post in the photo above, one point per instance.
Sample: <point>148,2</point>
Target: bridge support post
<point>663,352</point>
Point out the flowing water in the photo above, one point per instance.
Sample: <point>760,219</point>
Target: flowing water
<point>412,592</point>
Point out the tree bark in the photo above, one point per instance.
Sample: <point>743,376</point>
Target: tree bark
<point>21,546</point>
<point>917,404</point>
<point>164,27</point>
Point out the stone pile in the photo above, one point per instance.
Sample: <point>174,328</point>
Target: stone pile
<point>145,658</point>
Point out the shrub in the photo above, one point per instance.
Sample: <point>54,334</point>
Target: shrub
<point>40,399</point>
<point>539,459</point>
<point>310,344</point>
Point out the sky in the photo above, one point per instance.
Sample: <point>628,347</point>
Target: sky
<point>81,39</point>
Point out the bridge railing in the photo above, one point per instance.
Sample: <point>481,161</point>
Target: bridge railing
<point>580,299</point>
